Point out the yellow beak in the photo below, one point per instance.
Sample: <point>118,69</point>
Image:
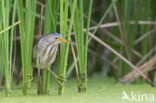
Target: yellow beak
<point>63,40</point>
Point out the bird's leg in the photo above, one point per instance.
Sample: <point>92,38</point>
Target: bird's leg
<point>58,78</point>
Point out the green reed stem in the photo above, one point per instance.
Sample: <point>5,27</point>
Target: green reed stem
<point>126,28</point>
<point>26,36</point>
<point>50,24</point>
<point>97,27</point>
<point>144,15</point>
<point>86,44</point>
<point>82,43</point>
<point>5,45</point>
<point>64,48</point>
<point>6,41</point>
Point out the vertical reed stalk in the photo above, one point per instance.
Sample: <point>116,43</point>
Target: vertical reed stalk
<point>125,29</point>
<point>26,38</point>
<point>82,43</point>
<point>6,41</point>
<point>86,44</point>
<point>95,30</point>
<point>50,24</point>
<point>1,46</point>
<point>63,30</point>
<point>144,15</point>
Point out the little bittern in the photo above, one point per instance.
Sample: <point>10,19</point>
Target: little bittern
<point>45,51</point>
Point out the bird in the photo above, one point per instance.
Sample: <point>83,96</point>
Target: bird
<point>45,51</point>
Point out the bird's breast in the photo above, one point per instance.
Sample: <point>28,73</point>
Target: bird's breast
<point>46,56</point>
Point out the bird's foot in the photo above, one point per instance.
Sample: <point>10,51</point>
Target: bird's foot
<point>60,77</point>
<point>31,77</point>
<point>60,80</point>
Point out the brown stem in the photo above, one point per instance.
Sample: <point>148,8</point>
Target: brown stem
<point>130,77</point>
<point>39,82</point>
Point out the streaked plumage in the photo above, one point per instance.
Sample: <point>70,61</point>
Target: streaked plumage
<point>45,51</point>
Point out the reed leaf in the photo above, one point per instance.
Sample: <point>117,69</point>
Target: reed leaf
<point>26,35</point>
<point>50,24</point>
<point>6,40</point>
<point>64,48</point>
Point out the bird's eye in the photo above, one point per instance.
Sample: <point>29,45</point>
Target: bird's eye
<point>56,38</point>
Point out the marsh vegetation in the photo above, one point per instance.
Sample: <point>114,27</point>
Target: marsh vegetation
<point>111,40</point>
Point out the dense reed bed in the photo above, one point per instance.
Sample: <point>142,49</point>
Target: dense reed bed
<point>97,29</point>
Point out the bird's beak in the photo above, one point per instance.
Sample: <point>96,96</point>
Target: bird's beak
<point>63,40</point>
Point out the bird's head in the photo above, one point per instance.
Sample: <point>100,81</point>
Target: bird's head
<point>59,37</point>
